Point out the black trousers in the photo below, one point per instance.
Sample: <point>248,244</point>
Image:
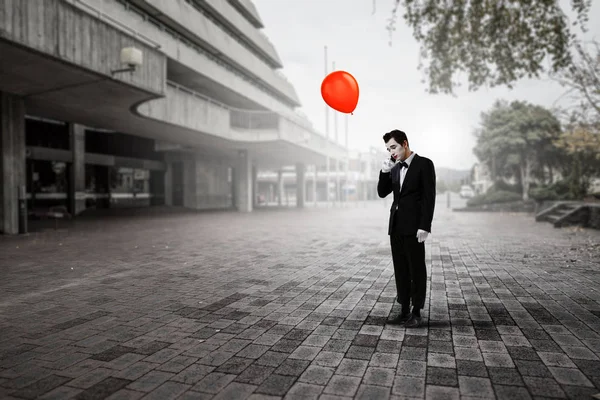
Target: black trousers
<point>410,271</point>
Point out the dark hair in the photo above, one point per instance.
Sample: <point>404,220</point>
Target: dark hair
<point>397,135</point>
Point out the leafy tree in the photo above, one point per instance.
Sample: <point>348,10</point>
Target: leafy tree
<point>582,144</point>
<point>514,137</point>
<point>496,42</point>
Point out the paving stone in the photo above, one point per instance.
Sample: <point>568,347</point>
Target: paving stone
<point>255,374</point>
<point>498,360</point>
<point>441,392</point>
<point>532,368</point>
<point>368,392</point>
<point>328,359</point>
<point>213,382</point>
<point>556,360</point>
<point>546,387</point>
<point>475,387</point>
<point>570,376</point>
<point>379,376</point>
<point>304,391</point>
<point>511,392</point>
<point>467,353</point>
<point>471,368</point>
<point>405,386</point>
<point>441,376</point>
<point>264,321</point>
<point>234,391</point>
<point>413,353</point>
<point>292,367</point>
<point>317,375</point>
<point>103,389</point>
<point>441,360</point>
<point>342,385</point>
<point>276,385</point>
<point>41,386</point>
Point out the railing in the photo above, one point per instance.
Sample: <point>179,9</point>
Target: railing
<point>115,23</point>
<point>177,37</point>
<point>234,34</point>
<point>198,95</point>
<point>254,119</point>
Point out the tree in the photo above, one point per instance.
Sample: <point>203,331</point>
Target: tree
<point>513,138</point>
<point>583,80</point>
<point>497,42</point>
<point>581,142</point>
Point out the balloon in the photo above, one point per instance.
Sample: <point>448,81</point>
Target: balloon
<point>340,91</point>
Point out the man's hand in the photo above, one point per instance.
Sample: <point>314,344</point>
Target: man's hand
<point>387,165</point>
<point>422,235</point>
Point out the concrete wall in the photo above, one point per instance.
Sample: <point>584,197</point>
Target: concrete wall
<point>303,136</point>
<point>58,29</point>
<point>201,62</point>
<point>187,17</point>
<point>184,109</point>
<point>250,9</point>
<point>12,164</point>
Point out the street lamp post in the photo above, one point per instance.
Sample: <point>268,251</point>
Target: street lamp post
<point>327,142</point>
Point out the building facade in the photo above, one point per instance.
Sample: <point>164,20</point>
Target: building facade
<point>189,126</point>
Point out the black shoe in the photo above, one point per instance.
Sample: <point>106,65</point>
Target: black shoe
<point>413,322</point>
<point>400,319</point>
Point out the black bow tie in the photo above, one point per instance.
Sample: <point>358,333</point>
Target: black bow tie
<point>403,164</point>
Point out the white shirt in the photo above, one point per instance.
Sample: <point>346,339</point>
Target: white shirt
<point>403,170</point>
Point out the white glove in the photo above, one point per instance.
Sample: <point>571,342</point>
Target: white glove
<point>422,235</point>
<point>387,165</point>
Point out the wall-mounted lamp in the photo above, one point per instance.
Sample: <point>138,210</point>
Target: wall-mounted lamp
<point>131,57</point>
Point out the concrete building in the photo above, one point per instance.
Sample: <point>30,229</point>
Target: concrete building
<point>356,180</point>
<point>191,126</point>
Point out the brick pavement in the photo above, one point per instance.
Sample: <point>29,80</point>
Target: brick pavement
<point>291,304</point>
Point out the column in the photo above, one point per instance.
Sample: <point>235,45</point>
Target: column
<point>77,170</point>
<point>243,176</point>
<point>338,189</point>
<point>12,167</point>
<point>314,187</point>
<point>254,186</point>
<point>280,188</point>
<point>190,198</point>
<point>300,185</point>
<point>169,183</point>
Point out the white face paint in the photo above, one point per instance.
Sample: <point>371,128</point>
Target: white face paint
<point>396,151</point>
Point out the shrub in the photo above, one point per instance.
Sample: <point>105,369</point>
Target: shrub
<point>557,191</point>
<point>501,186</point>
<point>494,197</point>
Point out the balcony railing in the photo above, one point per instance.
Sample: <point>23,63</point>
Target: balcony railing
<point>83,5</point>
<point>256,119</point>
<point>114,22</point>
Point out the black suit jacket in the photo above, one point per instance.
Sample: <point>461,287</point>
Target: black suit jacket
<point>413,203</point>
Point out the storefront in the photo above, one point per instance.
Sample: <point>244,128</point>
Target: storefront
<point>120,170</point>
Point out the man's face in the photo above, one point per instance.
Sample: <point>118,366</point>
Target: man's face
<point>396,150</point>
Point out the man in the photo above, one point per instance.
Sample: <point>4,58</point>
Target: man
<point>412,179</point>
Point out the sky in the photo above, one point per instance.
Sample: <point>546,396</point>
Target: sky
<point>392,94</point>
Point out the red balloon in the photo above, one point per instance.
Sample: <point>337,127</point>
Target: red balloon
<point>340,91</point>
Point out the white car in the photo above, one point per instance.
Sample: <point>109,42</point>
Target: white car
<point>466,192</point>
